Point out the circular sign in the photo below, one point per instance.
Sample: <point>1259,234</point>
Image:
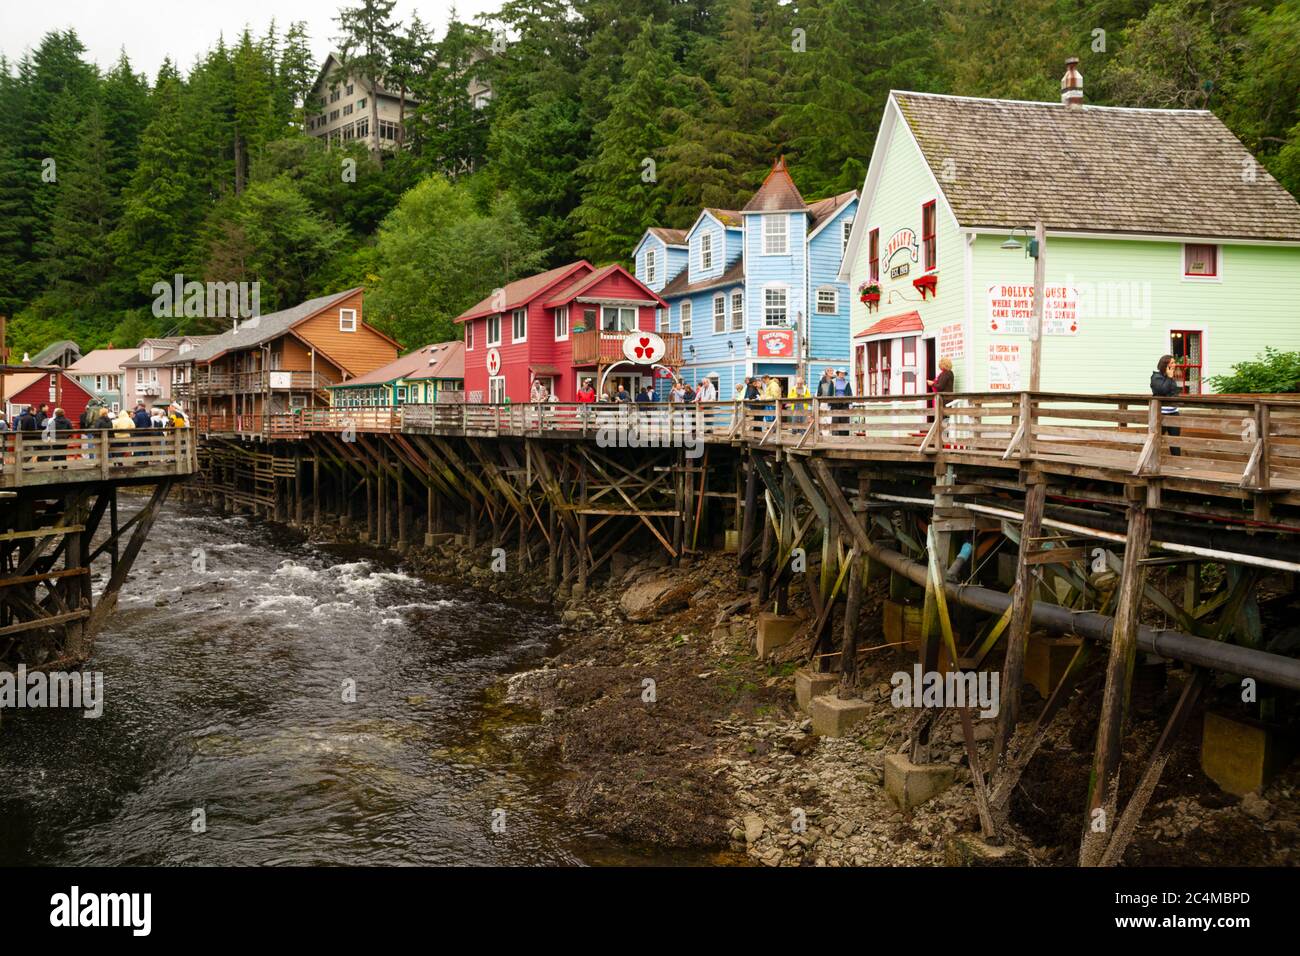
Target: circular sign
<point>643,348</point>
<point>493,362</point>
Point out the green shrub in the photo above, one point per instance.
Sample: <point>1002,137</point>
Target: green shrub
<point>1271,372</point>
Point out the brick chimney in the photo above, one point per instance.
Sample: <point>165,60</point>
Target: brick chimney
<point>1072,83</point>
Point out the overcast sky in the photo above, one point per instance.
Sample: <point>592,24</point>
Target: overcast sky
<point>150,30</point>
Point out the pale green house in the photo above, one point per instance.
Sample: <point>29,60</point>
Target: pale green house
<point>1163,236</point>
<point>429,374</point>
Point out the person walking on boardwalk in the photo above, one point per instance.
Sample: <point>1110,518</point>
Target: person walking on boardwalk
<point>587,394</point>
<point>1164,385</point>
<point>707,392</point>
<point>826,387</point>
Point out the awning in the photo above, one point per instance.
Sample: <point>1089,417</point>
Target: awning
<point>544,369</point>
<point>894,325</point>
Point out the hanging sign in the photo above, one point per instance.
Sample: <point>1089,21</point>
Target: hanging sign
<point>493,362</point>
<point>1011,309</point>
<point>1004,366</point>
<point>904,240</point>
<point>643,348</point>
<point>952,340</point>
<point>776,343</point>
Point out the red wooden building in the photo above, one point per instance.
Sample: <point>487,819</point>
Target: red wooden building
<point>559,327</point>
<point>44,386</point>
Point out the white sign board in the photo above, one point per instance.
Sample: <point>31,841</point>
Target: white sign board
<point>493,362</point>
<point>1004,366</point>
<point>280,379</point>
<point>643,348</point>
<point>1011,309</point>
<point>952,340</point>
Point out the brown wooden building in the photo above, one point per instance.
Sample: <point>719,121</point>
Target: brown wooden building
<point>270,366</point>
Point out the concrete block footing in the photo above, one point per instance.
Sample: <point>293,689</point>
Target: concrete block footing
<point>774,630</point>
<point>833,716</point>
<point>809,684</point>
<point>909,784</point>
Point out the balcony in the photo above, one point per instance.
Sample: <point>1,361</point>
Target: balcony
<point>595,347</point>
<point>231,383</point>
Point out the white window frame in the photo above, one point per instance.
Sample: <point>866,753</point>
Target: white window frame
<point>1218,263</point>
<point>494,340</point>
<point>347,320</point>
<point>496,383</point>
<point>562,324</point>
<point>706,251</point>
<point>769,234</point>
<point>785,306</point>
<point>719,314</point>
<point>845,229</point>
<point>515,319</point>
<point>737,310</point>
<point>650,265</point>
<point>146,353</point>
<point>620,309</point>
<point>139,378</point>
<point>685,313</point>
<point>469,336</point>
<point>835,300</point>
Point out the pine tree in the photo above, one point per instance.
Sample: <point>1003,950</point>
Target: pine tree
<point>449,131</point>
<point>622,194</point>
<point>296,75</point>
<point>366,46</point>
<point>411,51</point>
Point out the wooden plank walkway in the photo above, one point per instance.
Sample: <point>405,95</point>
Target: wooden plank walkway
<point>27,460</point>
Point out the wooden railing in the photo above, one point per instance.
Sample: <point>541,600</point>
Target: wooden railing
<point>27,458</point>
<point>229,383</point>
<point>387,418</point>
<point>597,347</point>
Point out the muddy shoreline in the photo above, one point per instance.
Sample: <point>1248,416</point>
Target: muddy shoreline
<point>663,731</point>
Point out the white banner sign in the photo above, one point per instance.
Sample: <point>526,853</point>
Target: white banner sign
<point>1011,309</point>
<point>1004,366</point>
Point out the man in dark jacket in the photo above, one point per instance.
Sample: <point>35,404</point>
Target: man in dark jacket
<point>26,422</point>
<point>1163,385</point>
<point>141,416</point>
<point>751,390</point>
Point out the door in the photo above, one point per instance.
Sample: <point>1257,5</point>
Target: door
<point>879,369</point>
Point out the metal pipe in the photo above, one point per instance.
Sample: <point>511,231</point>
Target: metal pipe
<point>1269,668</point>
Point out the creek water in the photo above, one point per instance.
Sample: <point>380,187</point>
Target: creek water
<point>224,692</point>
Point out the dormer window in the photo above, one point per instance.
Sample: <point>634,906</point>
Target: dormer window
<point>146,353</point>
<point>776,235</point>
<point>347,320</point>
<point>706,252</point>
<point>649,265</point>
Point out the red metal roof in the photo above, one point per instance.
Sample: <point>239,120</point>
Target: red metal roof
<point>593,278</point>
<point>778,192</point>
<point>894,324</point>
<point>522,291</point>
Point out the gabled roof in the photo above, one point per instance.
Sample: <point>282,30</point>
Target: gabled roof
<point>522,291</point>
<point>1096,169</point>
<point>102,361</point>
<point>440,360</point>
<point>824,210</point>
<point>728,217</point>
<point>593,278</point>
<point>734,275</point>
<point>670,237</point>
<point>47,354</point>
<point>264,328</point>
<point>778,192</point>
<point>14,384</point>
<point>906,322</point>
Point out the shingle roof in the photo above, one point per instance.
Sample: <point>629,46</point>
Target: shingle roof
<point>263,328</point>
<point>521,291</point>
<point>54,349</point>
<point>824,209</point>
<point>673,237</point>
<point>1096,168</point>
<point>777,193</point>
<point>907,322</point>
<point>728,217</point>
<point>440,360</point>
<point>679,285</point>
<point>102,361</point>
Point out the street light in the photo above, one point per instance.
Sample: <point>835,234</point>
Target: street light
<point>1036,249</point>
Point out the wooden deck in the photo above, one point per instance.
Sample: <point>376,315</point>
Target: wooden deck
<point>26,460</point>
<point>1241,446</point>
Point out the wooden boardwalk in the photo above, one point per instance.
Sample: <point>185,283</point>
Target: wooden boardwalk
<point>28,460</point>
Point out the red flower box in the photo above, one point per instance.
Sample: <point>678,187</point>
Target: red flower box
<point>926,283</point>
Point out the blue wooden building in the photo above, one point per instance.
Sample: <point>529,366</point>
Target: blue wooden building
<point>756,291</point>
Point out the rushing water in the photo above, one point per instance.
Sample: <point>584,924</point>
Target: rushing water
<point>224,692</point>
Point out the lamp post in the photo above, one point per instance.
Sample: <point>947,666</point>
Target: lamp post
<point>1037,250</point>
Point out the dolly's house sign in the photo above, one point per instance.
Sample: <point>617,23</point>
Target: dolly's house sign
<point>643,348</point>
<point>493,362</point>
<point>902,241</point>
<point>1011,309</point>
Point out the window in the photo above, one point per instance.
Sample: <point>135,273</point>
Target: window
<point>349,132</point>
<point>347,320</point>
<point>153,377</point>
<point>661,321</point>
<point>1200,261</point>
<point>589,319</point>
<point>469,335</point>
<point>347,110</point>
<point>686,318</point>
<point>618,319</point>
<point>186,347</point>
<point>719,314</point>
<point>519,325</point>
<point>561,323</point>
<point>334,96</point>
<point>387,130</point>
<point>873,255</point>
<point>494,330</point>
<point>348,90</point>
<point>334,114</point>
<point>361,103</point>
<point>1185,347</point>
<point>928,247</point>
<point>737,311</point>
<point>649,265</point>
<point>363,128</point>
<point>146,353</point>
<point>706,252</point>
<point>776,235</point>
<point>774,307</point>
<point>139,377</point>
<point>845,230</point>
<point>878,367</point>
<point>401,395</point>
<point>828,301</point>
<point>497,389</point>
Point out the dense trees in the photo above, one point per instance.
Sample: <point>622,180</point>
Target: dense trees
<point>605,116</point>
